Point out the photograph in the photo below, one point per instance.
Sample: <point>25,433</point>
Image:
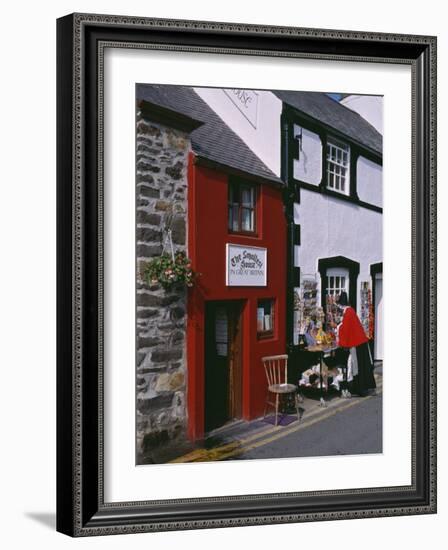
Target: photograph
<point>246,260</point>
<point>223,243</point>
<point>258,274</point>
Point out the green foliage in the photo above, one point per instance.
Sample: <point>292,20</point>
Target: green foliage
<point>168,273</point>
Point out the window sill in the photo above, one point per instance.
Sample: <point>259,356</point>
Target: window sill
<point>265,335</point>
<point>252,234</point>
<point>335,194</point>
<point>332,191</point>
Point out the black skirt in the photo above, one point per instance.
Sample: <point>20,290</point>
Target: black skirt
<point>364,380</point>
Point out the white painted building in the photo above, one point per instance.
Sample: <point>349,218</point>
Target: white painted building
<point>330,156</point>
<point>369,107</point>
<point>253,115</point>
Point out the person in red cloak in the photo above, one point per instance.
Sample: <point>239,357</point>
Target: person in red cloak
<point>351,337</point>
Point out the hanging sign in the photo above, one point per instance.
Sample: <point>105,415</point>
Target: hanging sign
<point>246,265</point>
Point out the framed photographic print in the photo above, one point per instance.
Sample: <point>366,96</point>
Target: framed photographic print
<point>246,274</point>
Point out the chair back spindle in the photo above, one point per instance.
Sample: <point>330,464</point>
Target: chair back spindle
<point>276,369</point>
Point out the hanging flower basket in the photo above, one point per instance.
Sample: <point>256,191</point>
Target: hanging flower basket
<point>169,270</point>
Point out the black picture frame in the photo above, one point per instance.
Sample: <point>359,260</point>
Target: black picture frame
<point>81,510</point>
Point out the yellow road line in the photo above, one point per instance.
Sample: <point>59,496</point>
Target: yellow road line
<point>296,428</point>
<point>238,446</point>
<point>198,454</point>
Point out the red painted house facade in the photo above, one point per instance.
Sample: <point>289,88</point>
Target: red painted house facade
<point>226,337</point>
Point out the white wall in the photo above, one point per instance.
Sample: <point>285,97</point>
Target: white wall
<point>332,227</point>
<point>369,107</point>
<point>308,167</point>
<point>258,127</point>
<point>369,176</point>
<point>28,366</point>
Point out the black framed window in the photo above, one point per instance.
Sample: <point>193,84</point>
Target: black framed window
<point>338,273</point>
<point>242,207</point>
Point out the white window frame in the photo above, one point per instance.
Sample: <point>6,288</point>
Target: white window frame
<point>338,169</point>
<point>337,272</point>
<point>263,332</point>
<point>237,188</point>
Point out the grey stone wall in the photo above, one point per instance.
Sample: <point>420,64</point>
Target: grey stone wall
<point>161,202</point>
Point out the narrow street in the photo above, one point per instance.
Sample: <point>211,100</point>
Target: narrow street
<point>344,426</point>
<point>350,428</point>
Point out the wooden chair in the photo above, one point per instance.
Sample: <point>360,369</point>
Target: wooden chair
<point>276,369</point>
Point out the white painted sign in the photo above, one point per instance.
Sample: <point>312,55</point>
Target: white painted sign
<point>245,101</point>
<point>246,265</point>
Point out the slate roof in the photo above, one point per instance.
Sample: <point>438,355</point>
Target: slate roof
<point>217,142</point>
<point>214,140</point>
<point>328,111</point>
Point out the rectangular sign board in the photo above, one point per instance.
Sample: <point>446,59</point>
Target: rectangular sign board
<point>246,265</point>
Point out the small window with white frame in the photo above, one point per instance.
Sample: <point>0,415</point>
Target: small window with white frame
<point>338,167</point>
<point>265,318</point>
<point>337,281</point>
